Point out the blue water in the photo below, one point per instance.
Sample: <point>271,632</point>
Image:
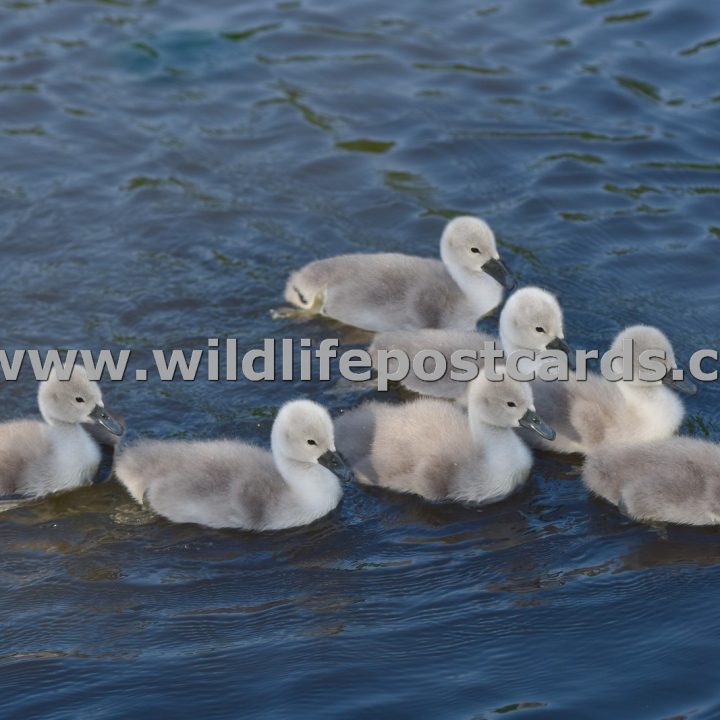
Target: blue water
<point>165,163</point>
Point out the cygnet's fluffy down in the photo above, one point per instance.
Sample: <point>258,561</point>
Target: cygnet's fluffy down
<point>673,481</point>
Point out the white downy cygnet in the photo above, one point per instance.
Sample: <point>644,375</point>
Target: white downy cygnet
<point>672,481</point>
<point>392,291</point>
<point>532,320</point>
<point>597,411</point>
<point>38,458</point>
<point>432,448</point>
<point>231,484</point>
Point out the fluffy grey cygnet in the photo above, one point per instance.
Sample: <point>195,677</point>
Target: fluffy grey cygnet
<point>432,448</point>
<point>231,484</point>
<point>392,291</point>
<point>42,457</point>
<point>594,412</point>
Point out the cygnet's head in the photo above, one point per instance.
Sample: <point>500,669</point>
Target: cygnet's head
<point>533,319</point>
<point>75,401</point>
<point>505,403</point>
<point>469,243</point>
<point>650,347</point>
<point>303,432</point>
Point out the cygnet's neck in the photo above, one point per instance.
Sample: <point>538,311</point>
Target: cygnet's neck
<point>76,456</point>
<point>60,426</point>
<point>506,457</point>
<point>314,486</point>
<point>481,291</point>
<point>659,411</point>
<point>643,392</point>
<point>525,365</point>
<point>486,435</point>
<point>648,394</point>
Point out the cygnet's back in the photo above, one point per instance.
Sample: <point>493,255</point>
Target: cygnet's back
<point>446,342</point>
<point>418,447</point>
<point>218,483</point>
<point>675,480</point>
<point>26,458</point>
<point>381,292</point>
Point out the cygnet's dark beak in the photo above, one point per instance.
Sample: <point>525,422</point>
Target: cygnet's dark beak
<point>102,417</point>
<point>335,463</point>
<point>532,421</point>
<point>685,386</point>
<point>498,271</point>
<point>560,344</point>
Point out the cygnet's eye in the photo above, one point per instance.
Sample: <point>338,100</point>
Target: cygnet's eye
<point>511,404</point>
<point>79,399</point>
<point>540,329</point>
<point>475,250</point>
<point>311,442</point>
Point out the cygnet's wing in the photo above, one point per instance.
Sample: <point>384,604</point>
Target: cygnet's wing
<point>416,447</point>
<point>604,470</point>
<point>385,291</point>
<point>218,483</point>
<point>419,447</point>
<point>25,459</point>
<point>582,413</point>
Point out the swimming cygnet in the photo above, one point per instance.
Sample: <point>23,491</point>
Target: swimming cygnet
<point>532,319</point>
<point>674,481</point>
<point>231,484</point>
<point>589,413</point>
<point>392,291</point>
<point>432,448</point>
<point>38,458</point>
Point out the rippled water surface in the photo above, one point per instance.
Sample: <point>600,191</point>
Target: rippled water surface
<point>165,163</point>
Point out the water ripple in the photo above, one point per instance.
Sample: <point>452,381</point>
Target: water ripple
<point>165,165</point>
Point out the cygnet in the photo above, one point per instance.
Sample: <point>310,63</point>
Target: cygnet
<point>42,457</point>
<point>231,484</point>
<point>432,448</point>
<point>392,291</point>
<point>597,411</point>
